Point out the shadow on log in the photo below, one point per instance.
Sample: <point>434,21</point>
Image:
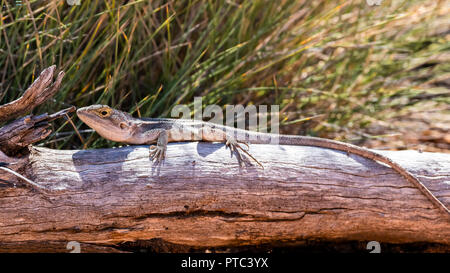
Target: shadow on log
<point>199,199</point>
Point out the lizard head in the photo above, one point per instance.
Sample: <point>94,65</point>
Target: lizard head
<point>110,123</point>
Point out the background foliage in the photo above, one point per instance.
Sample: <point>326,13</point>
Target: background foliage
<point>334,67</point>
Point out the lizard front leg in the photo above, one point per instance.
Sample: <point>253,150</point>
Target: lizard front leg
<point>158,152</point>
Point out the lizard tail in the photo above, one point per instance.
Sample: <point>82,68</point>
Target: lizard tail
<point>363,152</point>
<point>259,138</point>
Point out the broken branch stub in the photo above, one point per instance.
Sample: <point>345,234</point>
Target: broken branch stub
<point>40,90</point>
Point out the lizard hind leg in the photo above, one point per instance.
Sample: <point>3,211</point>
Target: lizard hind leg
<point>235,146</point>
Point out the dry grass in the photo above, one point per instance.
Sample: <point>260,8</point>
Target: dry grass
<point>344,63</point>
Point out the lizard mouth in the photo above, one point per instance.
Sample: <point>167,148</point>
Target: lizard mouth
<point>90,119</point>
<point>85,116</point>
<point>103,126</point>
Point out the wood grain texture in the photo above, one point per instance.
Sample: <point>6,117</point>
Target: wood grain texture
<point>200,198</point>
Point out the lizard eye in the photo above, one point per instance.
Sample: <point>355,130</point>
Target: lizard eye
<point>104,112</point>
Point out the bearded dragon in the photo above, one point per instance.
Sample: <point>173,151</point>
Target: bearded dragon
<point>119,126</point>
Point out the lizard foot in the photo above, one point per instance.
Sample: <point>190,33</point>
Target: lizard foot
<point>235,146</point>
<point>157,153</point>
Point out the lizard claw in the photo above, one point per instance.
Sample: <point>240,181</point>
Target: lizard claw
<point>235,146</point>
<point>157,153</point>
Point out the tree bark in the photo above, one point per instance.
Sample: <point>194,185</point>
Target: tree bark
<point>109,199</point>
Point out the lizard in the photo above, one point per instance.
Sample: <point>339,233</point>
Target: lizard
<point>120,126</point>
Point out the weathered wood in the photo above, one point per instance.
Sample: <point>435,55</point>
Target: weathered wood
<point>27,130</point>
<point>200,198</point>
<point>30,129</point>
<point>36,94</point>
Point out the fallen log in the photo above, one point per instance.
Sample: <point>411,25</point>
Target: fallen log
<point>200,199</point>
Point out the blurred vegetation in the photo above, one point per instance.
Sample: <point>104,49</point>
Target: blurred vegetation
<point>334,67</point>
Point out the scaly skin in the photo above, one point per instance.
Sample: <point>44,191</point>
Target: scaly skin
<point>119,126</point>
